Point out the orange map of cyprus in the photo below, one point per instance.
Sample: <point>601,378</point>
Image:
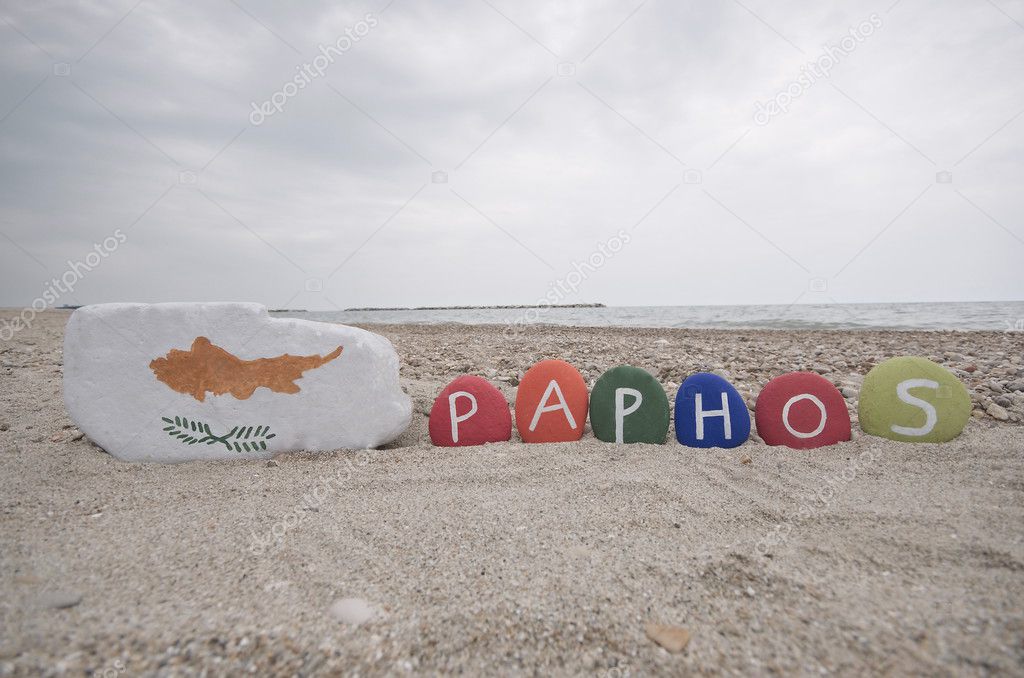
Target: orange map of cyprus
<point>209,368</point>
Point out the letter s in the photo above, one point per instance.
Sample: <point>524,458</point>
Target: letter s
<point>931,416</point>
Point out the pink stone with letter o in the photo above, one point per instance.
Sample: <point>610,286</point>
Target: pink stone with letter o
<point>469,411</point>
<point>802,410</point>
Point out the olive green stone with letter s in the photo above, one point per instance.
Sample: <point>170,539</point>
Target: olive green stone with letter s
<point>913,399</point>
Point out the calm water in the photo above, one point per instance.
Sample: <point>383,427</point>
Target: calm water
<point>928,316</point>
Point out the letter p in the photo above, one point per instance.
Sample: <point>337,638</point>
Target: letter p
<point>621,411</point>
<point>455,417</point>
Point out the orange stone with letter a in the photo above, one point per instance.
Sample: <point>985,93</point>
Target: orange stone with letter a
<point>551,404</point>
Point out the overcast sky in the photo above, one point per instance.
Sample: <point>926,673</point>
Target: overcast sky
<point>472,152</point>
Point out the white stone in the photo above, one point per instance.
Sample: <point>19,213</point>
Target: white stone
<point>113,394</point>
<point>353,611</point>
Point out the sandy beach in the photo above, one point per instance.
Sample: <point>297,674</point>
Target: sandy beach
<point>868,556</point>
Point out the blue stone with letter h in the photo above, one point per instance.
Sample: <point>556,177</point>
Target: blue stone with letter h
<point>710,413</point>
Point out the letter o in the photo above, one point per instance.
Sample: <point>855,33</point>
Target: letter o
<point>795,399</point>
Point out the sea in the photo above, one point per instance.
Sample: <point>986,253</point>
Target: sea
<point>1005,316</point>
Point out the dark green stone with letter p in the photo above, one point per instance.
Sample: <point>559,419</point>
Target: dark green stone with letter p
<point>617,415</point>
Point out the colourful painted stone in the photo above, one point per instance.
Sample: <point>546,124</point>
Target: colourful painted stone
<point>913,399</point>
<point>551,403</point>
<point>710,413</point>
<point>628,405</point>
<point>469,411</point>
<point>802,410</point>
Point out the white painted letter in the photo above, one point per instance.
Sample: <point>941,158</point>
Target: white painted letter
<point>795,399</point>
<point>701,413</point>
<point>931,416</point>
<point>542,407</point>
<point>621,411</point>
<point>455,418</point>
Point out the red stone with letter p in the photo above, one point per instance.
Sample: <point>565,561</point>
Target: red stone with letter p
<point>469,411</point>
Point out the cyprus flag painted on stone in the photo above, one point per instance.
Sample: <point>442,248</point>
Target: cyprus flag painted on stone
<point>176,382</point>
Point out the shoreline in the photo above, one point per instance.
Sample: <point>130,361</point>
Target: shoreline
<point>655,328</point>
<point>521,325</point>
<point>501,307</point>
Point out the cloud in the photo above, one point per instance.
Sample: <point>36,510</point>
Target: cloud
<point>470,152</point>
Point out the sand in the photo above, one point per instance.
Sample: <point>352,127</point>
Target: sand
<point>869,556</point>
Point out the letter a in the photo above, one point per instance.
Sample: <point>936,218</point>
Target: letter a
<point>543,407</point>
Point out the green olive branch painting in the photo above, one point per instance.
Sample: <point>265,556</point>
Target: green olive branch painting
<point>238,439</point>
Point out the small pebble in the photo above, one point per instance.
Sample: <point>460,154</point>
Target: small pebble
<point>354,611</point>
<point>745,459</point>
<point>997,412</point>
<point>672,638</point>
<point>59,600</point>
